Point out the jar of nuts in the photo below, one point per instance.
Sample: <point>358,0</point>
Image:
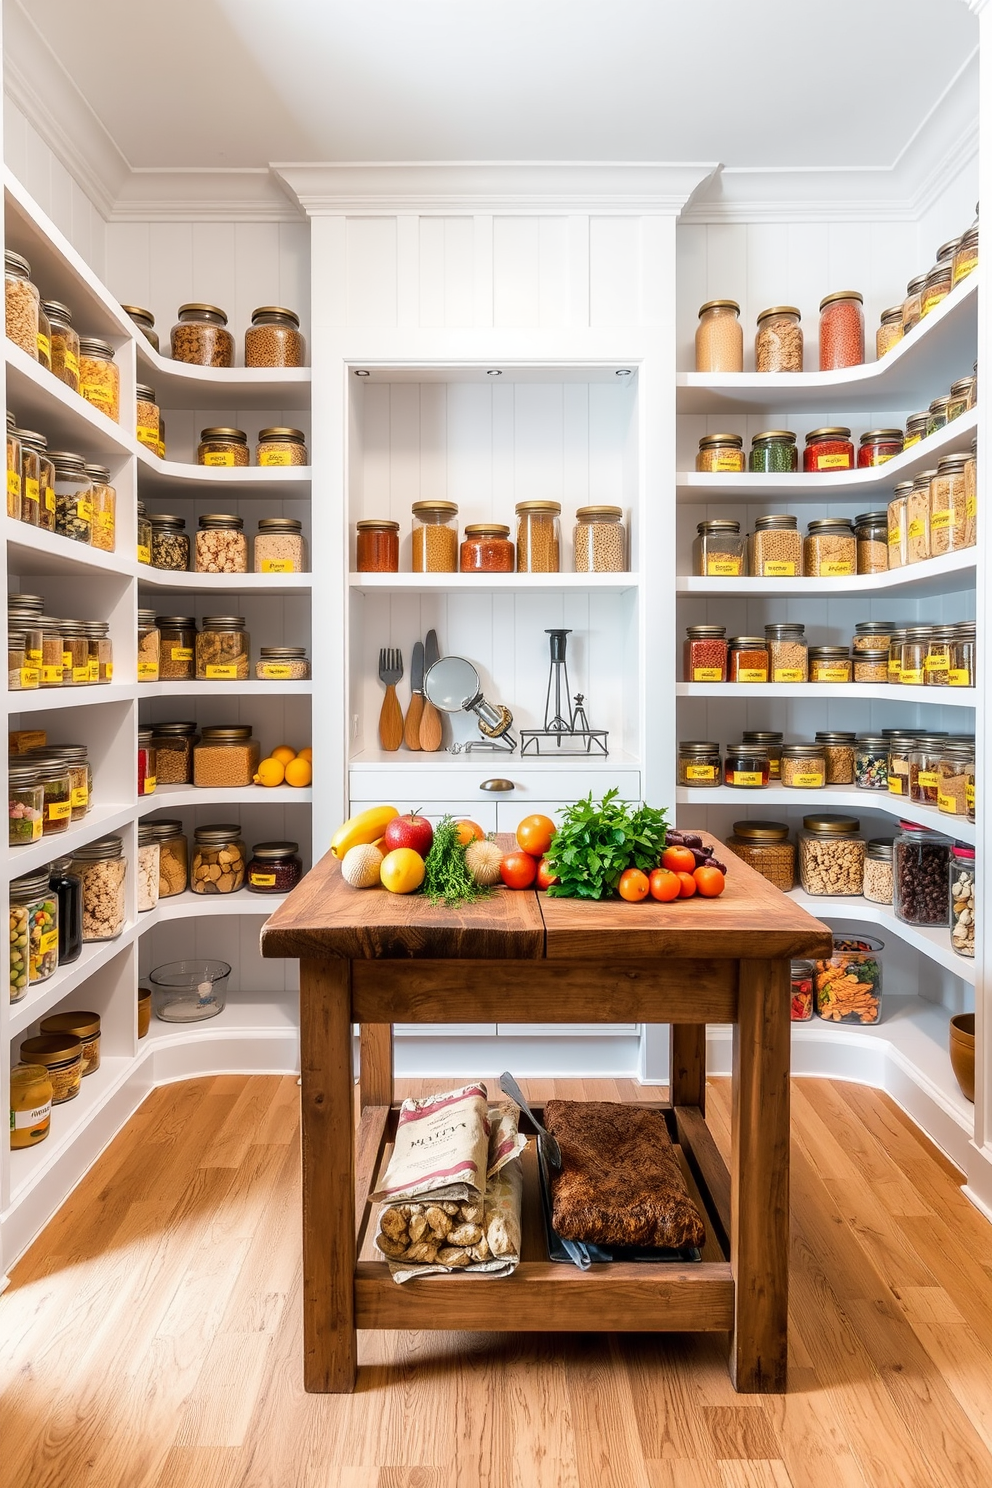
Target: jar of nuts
<point>274,338</point>
<point>921,862</point>
<point>99,376</point>
<point>222,446</point>
<point>222,648</point>
<point>219,858</point>
<point>435,537</point>
<point>600,541</point>
<point>221,545</point>
<point>538,537</point>
<point>765,847</point>
<point>962,900</point>
<point>170,542</point>
<point>102,869</point>
<point>281,447</point>
<point>831,854</point>
<point>200,337</point>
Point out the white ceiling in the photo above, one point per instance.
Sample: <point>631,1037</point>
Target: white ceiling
<point>753,83</point>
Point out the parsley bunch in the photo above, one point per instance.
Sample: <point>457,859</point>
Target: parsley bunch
<point>594,844</point>
<point>447,879</point>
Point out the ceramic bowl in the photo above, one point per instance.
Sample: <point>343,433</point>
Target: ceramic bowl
<point>962,1047</point>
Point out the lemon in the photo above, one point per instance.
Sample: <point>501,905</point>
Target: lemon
<point>270,772</point>
<point>298,772</point>
<point>402,871</point>
<point>306,754</point>
<point>283,754</point>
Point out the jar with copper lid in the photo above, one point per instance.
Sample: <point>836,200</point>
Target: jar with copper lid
<point>937,416</point>
<point>65,343</point>
<point>599,540</point>
<point>718,549</point>
<point>30,1105</point>
<point>221,545</point>
<point>704,654</point>
<point>201,338</point>
<point>936,288</point>
<point>61,1054</point>
<point>842,330</point>
<point>768,742</point>
<point>838,754</point>
<point>965,256</point>
<point>878,446</point>
<point>788,659</point>
<point>912,304</point>
<point>37,481</point>
<point>378,545</point>
<point>274,338</point>
<point>765,847</point>
<point>146,418</point>
<point>890,331</point>
<point>434,540</point>
<point>99,376</point>
<point>22,304</point>
<point>773,452</point>
<point>281,446</point>
<point>721,454</point>
<point>747,659</point>
<point>103,497</point>
<point>699,764</point>
<point>828,449</point>
<point>538,537</point>
<point>220,446</point>
<point>949,524</point>
<point>871,535</point>
<point>775,548</point>
<point>145,321</point>
<point>778,344</point>
<point>829,664</point>
<point>487,548</point>
<point>85,1027</point>
<point>829,549</point>
<point>960,397</point>
<point>719,337</point>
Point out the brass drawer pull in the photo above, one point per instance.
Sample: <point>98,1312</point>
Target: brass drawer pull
<point>497,785</point>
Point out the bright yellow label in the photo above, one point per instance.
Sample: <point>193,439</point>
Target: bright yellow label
<point>219,457</point>
<point>275,457</point>
<point>13,483</point>
<point>947,804</point>
<point>81,673</point>
<point>104,522</point>
<point>110,671</point>
<point>95,392</point>
<point>70,362</point>
<point>49,499</point>
<point>151,781</point>
<point>830,672</point>
<point>94,669</point>
<point>707,674</point>
<point>51,674</point>
<point>274,670</point>
<point>833,462</point>
<point>940,521</point>
<point>144,554</point>
<point>752,674</point>
<point>746,777</point>
<point>30,490</point>
<point>895,536</point>
<point>148,437</point>
<point>80,795</point>
<point>937,664</point>
<point>182,653</point>
<point>37,828</point>
<point>779,568</point>
<point>910,440</point>
<point>893,671</point>
<point>48,942</point>
<point>928,779</point>
<point>700,772</point>
<point>813,778</point>
<point>262,880</point>
<point>969,795</point>
<point>895,785</point>
<point>958,677</point>
<point>227,671</point>
<point>971,507</point>
<point>44,347</point>
<point>788,674</point>
<point>723,568</point>
<point>59,810</point>
<point>277,565</point>
<point>917,527</point>
<point>84,511</point>
<point>836,568</point>
<point>774,769</point>
<point>66,659</point>
<point>33,657</point>
<point>911,678</point>
<point>30,676</point>
<point>147,671</point>
<point>931,301</point>
<point>160,449</point>
<point>732,463</point>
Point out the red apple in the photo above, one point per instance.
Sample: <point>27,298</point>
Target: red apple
<point>409,831</point>
<point>545,876</point>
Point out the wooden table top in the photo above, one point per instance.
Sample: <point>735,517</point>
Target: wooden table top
<point>324,916</point>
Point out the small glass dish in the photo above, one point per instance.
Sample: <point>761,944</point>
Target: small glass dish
<point>189,991</point>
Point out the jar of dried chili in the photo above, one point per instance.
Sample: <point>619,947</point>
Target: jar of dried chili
<point>842,330</point>
<point>378,546</point>
<point>828,450</point>
<point>487,549</point>
<point>704,653</point>
<point>879,445</point>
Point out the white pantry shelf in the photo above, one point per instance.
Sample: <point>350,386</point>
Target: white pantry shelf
<point>941,697</point>
<point>172,797</point>
<point>33,552</point>
<point>167,478</point>
<point>43,402</point>
<point>951,573</point>
<point>170,581</point>
<point>829,798</point>
<point>471,583</point>
<point>51,699</point>
<point>934,943</point>
<point>97,823</point>
<point>179,385</point>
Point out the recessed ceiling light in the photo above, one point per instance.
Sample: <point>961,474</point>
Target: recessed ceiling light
<point>622,372</point>
<point>362,372</point>
<point>494,372</point>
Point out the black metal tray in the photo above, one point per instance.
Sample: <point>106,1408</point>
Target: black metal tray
<point>599,1254</point>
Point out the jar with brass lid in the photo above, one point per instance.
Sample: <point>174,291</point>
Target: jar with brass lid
<point>765,847</point>
<point>282,664</point>
<point>144,535</point>
<point>145,321</point>
<point>842,330</point>
<point>64,342</point>
<point>279,546</point>
<point>222,446</point>
<point>22,303</point>
<point>890,331</point>
<point>599,540</point>
<point>274,338</point>
<point>747,659</point>
<point>147,417</point>
<point>936,288</point>
<point>274,868</point>
<point>769,742</point>
<point>221,545</point>
<point>73,497</point>
<point>721,454</point>
<point>699,764</point>
<point>788,652</point>
<point>538,537</point>
<point>778,344</point>
<point>281,446</point>
<point>219,859</point>
<point>200,337</point>
<point>704,653</point>
<point>838,754</point>
<point>960,398</point>
<point>937,415</point>
<point>916,429</point>
<point>828,449</point>
<point>719,337</point>
<point>61,1054</point>
<point>775,548</point>
<point>965,256</point>
<point>803,767</point>
<point>103,497</point>
<point>30,1105</point>
<point>99,376</point>
<point>912,304</point>
<point>773,452</point>
<point>434,540</point>
<point>222,648</point>
<point>37,481</point>
<point>170,542</point>
<point>718,549</point>
<point>831,854</point>
<point>378,545</point>
<point>829,664</point>
<point>83,1026</point>
<point>486,548</point>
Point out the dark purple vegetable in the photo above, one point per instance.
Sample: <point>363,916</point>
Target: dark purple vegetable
<point>691,839</point>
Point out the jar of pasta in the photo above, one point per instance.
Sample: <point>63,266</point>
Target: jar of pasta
<point>879,446</point>
<point>221,545</point>
<point>871,535</point>
<point>803,767</point>
<point>897,523</point>
<point>912,304</point>
<point>699,763</point>
<point>949,526</point>
<point>30,1105</point>
<point>767,742</point>
<point>765,847</point>
<point>147,417</point>
<point>830,550</point>
<point>104,501</point>
<point>279,446</point>
<point>773,452</point>
<point>538,537</point>
<point>778,345</point>
<point>747,659</point>
<point>962,668</point>
<point>965,256</point>
<point>775,548</point>
<point>145,321</point>
<point>838,754</point>
<point>34,932</point>
<point>61,1055</point>
<point>890,331</point>
<point>378,545</point>
<point>936,288</point>
<point>102,867</point>
<point>279,546</point>
<point>222,648</point>
<point>721,454</point>
<point>149,646</point>
<point>274,338</point>
<point>918,518</point>
<point>916,429</point>
<point>13,469</point>
<point>99,376</point>
<point>64,343</point>
<point>829,664</point>
<point>22,303</point>
<point>600,540</point>
<point>937,416</point>
<point>787,652</point>
<point>486,548</point>
<point>828,449</point>
<point>37,481</point>
<point>718,549</point>
<point>719,337</point>
<point>434,541</point>
<point>222,446</point>
<point>842,330</point>
<point>85,1027</point>
<point>144,535</point>
<point>201,338</point>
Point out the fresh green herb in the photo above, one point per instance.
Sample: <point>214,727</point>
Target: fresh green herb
<point>447,879</point>
<point>594,844</point>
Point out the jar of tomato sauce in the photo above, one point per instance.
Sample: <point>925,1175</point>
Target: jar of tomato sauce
<point>842,330</point>
<point>828,450</point>
<point>879,445</point>
<point>378,546</point>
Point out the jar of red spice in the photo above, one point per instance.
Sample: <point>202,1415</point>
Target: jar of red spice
<point>828,450</point>
<point>747,659</point>
<point>146,762</point>
<point>704,654</point>
<point>378,546</point>
<point>274,868</point>
<point>487,549</point>
<point>842,330</point>
<point>879,445</point>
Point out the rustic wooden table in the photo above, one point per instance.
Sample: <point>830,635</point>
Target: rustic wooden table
<point>376,959</point>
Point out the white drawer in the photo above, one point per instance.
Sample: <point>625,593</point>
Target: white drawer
<point>450,780</point>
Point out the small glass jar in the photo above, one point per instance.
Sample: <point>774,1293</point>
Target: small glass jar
<point>25,804</point>
<point>149,647</point>
<point>916,429</point>
<point>849,983</point>
<point>145,321</point>
<point>767,741</point>
<point>803,767</point>
<point>177,648</point>
<point>765,847</point>
<point>61,1055</point>
<point>721,454</point>
<point>960,398</point>
<point>222,648</point>
<point>788,653</point>
<point>828,449</point>
<point>829,664</point>
<point>956,779</point>
<point>871,762</point>
<point>913,655</point>
<point>200,337</point>
<point>878,446</point>
<point>279,546</point>
<point>871,666</point>
<point>73,497</point>
<point>801,995</point>
<point>946,251</point>
<point>747,659</point>
<point>831,854</point>
<point>75,655</point>
<point>830,550</point>
<point>100,650</point>
<point>538,537</point>
<point>173,858</point>
<point>900,748</point>
<point>949,527</point>
<point>22,301</point>
<point>599,539</point>
<point>936,288</point>
<point>918,518</point>
<point>53,773</point>
<point>961,672</point>
<point>26,622</point>
<point>173,744</point>
<point>274,867</point>
<point>83,1026</point>
<point>924,765</point>
<point>19,675</point>
<point>487,549</point>
<point>37,481</point>
<point>719,337</point>
<point>68,890</point>
<point>877,883</point>
<point>100,376</point>
<point>144,535</point>
<point>890,331</point>
<point>435,537</point>
<point>898,525</point>
<point>718,549</point>
<point>378,545</point>
<point>34,932</point>
<point>963,904</point>
<point>147,763</point>
<point>282,664</point>
<point>778,345</point>
<point>937,415</point>
<point>75,757</point>
<point>102,867</point>
<point>704,653</point>
<point>30,1105</point>
<point>281,446</point>
<point>147,417</point>
<point>148,867</point>
<point>226,756</point>
<point>775,548</point>
<point>842,330</point>
<point>44,338</point>
<point>13,469</point>
<point>52,650</point>
<point>219,860</point>
<point>745,767</point>
<point>274,338</point>
<point>921,862</point>
<point>699,764</point>
<point>222,446</point>
<point>773,452</point>
<point>937,666</point>
<point>221,545</point>
<point>912,304</point>
<point>965,256</point>
<point>170,542</point>
<point>104,501</point>
<point>871,536</point>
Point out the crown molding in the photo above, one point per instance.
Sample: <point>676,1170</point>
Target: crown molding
<point>204,195</point>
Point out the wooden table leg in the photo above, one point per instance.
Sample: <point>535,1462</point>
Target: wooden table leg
<point>375,1064</point>
<point>759,1248</point>
<point>688,1065</point>
<point>330,1352</point>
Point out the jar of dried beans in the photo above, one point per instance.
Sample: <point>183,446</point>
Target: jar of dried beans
<point>149,646</point>
<point>890,331</point>
<point>600,540</point>
<point>219,860</point>
<point>221,545</point>
<point>871,534</point>
<point>838,754</point>
<point>104,499</point>
<point>937,416</point>
<point>918,518</point>
<point>699,763</point>
<point>965,256</point>
<point>226,756</point>
<point>877,881</point>
<point>916,429</point>
<point>831,854</point>
<point>201,338</point>
<point>279,546</point>
<point>170,542</point>
<point>912,304</point>
<point>719,337</point>
<point>274,338</point>
<point>145,321</point>
<point>65,344</point>
<point>718,549</point>
<point>921,861</point>
<point>434,540</point>
<point>803,766</point>
<point>829,664</point>
<point>745,767</point>
<point>842,330</point>
<point>765,847</point>
<point>769,742</point>
<point>747,659</point>
<point>828,450</point>
<point>102,867</point>
<point>177,647</point>
<point>949,525</point>
<point>538,537</point>
<point>99,376</point>
<point>378,546</point>
<point>878,446</point>
<point>704,653</point>
<point>173,744</point>
<point>274,867</point>
<point>73,497</point>
<point>721,454</point>
<point>220,445</point>
<point>22,302</point>
<point>146,417</point>
<point>830,550</point>
<point>787,652</point>
<point>222,648</point>
<point>281,447</point>
<point>775,548</point>
<point>487,549</point>
<point>773,453</point>
<point>936,288</point>
<point>778,345</point>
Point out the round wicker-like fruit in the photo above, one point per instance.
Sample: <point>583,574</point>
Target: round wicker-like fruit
<point>482,859</point>
<point>360,866</point>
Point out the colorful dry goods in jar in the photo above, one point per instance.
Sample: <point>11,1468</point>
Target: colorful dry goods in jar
<point>838,754</point>
<point>274,867</point>
<point>173,857</point>
<point>434,539</point>
<point>699,763</point>
<point>718,549</point>
<point>871,762</point>
<point>144,546</point>
<point>222,648</point>
<point>879,446</point>
<point>102,867</point>
<point>201,338</point>
<point>829,664</point>
<point>279,546</point>
<point>765,847</point>
<point>538,537</point>
<point>830,550</point>
<point>486,548</point>
<point>961,888</point>
<point>145,321</point>
<point>960,398</point>
<point>226,756</point>
<point>170,542</point>
<point>173,744</point>
<point>53,773</point>
<point>62,1057</point>
<point>788,658</point>
<point>745,767</point>
<point>747,659</point>
<point>801,994</point>
<point>912,304</point>
<point>773,452</point>
<point>890,331</point>
<point>282,664</point>
<point>936,288</point>
<point>21,304</point>
<point>83,1026</point>
<point>949,524</point>
<point>898,525</point>
<point>769,742</point>
<point>871,536</point>
<point>30,1105</point>
<point>25,804</point>
<point>916,429</point>
<point>848,987</point>
<point>803,766</point>
<point>222,446</point>
<point>148,868</point>
<point>219,858</point>
<point>956,780</point>
<point>103,499</point>
<point>965,256</point>
<point>75,757</point>
<point>778,344</point>
<point>871,666</point>
<point>221,545</point>
<point>775,548</point>
<point>937,416</point>
<point>281,446</point>
<point>828,449</point>
<point>73,497</point>
<point>149,647</point>
<point>65,344</point>
<point>719,337</point>
<point>13,469</point>
<point>378,546</point>
<point>831,854</point>
<point>704,653</point>
<point>147,777</point>
<point>918,518</point>
<point>877,882</point>
<point>962,667</point>
<point>842,330</point>
<point>599,540</point>
<point>721,454</point>
<point>99,376</point>
<point>34,932</point>
<point>147,417</point>
<point>921,862</point>
<point>274,338</point>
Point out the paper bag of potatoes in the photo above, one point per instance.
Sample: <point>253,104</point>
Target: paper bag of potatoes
<point>470,1235</point>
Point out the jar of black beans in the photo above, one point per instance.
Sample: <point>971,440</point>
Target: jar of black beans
<point>920,861</point>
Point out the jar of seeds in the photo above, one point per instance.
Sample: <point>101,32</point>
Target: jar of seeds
<point>226,756</point>
<point>174,744</point>
<point>830,550</point>
<point>788,657</point>
<point>21,304</point>
<point>281,447</point>
<point>65,344</point>
<point>222,446</point>
<point>538,537</point>
<point>877,883</point>
<point>434,540</point>
<point>600,541</point>
<point>170,542</point>
<point>104,500</point>
<point>221,546</point>
<point>775,548</point>
<point>222,648</point>
<point>279,546</point>
<point>274,339</point>
<point>201,338</point>
<point>73,497</point>
<point>99,376</point>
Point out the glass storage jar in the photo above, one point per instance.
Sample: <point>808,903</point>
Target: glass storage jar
<point>13,469</point>
<point>877,884</point>
<point>61,1055</point>
<point>20,676</point>
<point>719,337</point>
<point>946,251</point>
<point>871,536</point>
<point>100,650</point>
<point>282,664</point>
<point>956,779</point>
<point>170,542</point>
<point>778,344</point>
<point>73,497</point>
<point>842,330</point>
<point>30,1105</point>
<point>434,539</point>
<point>900,748</point>
<point>745,766</point>
<point>599,540</point>
<point>538,537</point>
<point>219,858</point>
<point>148,867</point>
<point>103,498</point>
<point>803,767</point>
<point>146,417</point>
<point>486,548</point>
<point>144,535</point>
<point>279,546</point>
<point>890,331</point>
<point>721,454</point>
<point>145,321</point>
<point>147,762</point>
<point>177,650</point>
<point>68,890</point>
<point>871,762</point>
<point>37,481</point>
<point>222,648</point>
<point>872,635</point>
<point>936,288</point>
<point>102,867</point>
<point>21,304</point>
<point>878,446</point>
<point>828,449</point>
<point>871,666</point>
<point>226,756</point>
<point>221,545</point>
<point>767,741</point>
<point>747,659</point>
<point>773,452</point>
<point>937,666</point>
<point>898,525</point>
<point>704,653</point>
<point>965,256</point>
<point>149,647</point>
<point>64,343</point>
<point>829,664</point>
<point>920,868</point>
<point>924,762</point>
<point>775,548</point>
<point>801,995</point>
<point>75,757</point>
<point>949,525</point>
<point>222,446</point>
<point>378,545</point>
<point>52,669</point>
<point>100,377</point>
<point>201,338</point>
<point>34,932</point>
<point>274,338</point>
<point>912,304</point>
<point>918,518</point>
<point>718,549</point>
<point>173,744</point>
<point>937,416</point>
<point>788,655</point>
<point>80,1025</point>
<point>699,763</point>
<point>916,429</point>
<point>173,858</point>
<point>274,867</point>
<point>25,804</point>
<point>830,550</point>
<point>281,446</point>
<point>765,847</point>
<point>960,398</point>
<point>831,854</point>
<point>913,655</point>
<point>144,1010</point>
<point>962,666</point>
<point>53,773</point>
<point>849,984</point>
<point>75,655</point>
<point>961,894</point>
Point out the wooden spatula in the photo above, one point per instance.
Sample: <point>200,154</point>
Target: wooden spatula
<point>391,714</point>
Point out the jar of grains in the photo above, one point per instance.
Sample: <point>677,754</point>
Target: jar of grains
<point>221,545</point>
<point>61,1055</point>
<point>21,304</point>
<point>147,417</point>
<point>538,537</point>
<point>871,762</point>
<point>788,659</point>
<point>871,666</point>
<point>721,453</point>
<point>699,763</point>
<point>765,847</point>
<point>148,867</point>
<point>487,548</point>
<point>937,415</point>
<point>226,756</point>
<point>962,667</point>
<point>912,304</point>
<point>599,540</point>
<point>747,659</point>
<point>829,664</point>
<point>281,446</point>
<point>100,650</point>
<point>778,345</point>
<point>831,854</point>
<point>879,446</point>
<point>149,647</point>
<point>803,766</point>
<point>274,338</point>
<point>921,861</point>
<point>44,338</point>
<point>959,399</point>
<point>219,859</point>
<point>104,500</point>
<point>890,331</point>
<point>955,777</point>
<point>949,524</point>
<point>73,497</point>
<point>924,758</point>
<point>34,932</point>
<point>842,330</point>
<point>144,535</point>
<point>916,429</point>
<point>767,741</point>
<point>13,469</point>
<point>963,904</point>
<point>53,773</point>
<point>201,337</point>
<point>871,536</point>
<point>173,857</point>
<point>898,525</point>
<point>25,803</point>
<point>222,446</point>
<point>30,1105</point>
<point>145,321</point>
<point>378,546</point>
<point>170,542</point>
<point>282,664</point>
<point>434,540</point>
<point>37,481</point>
<point>913,655</point>
<point>801,974</point>
<point>103,869</point>
<point>147,778</point>
<point>65,344</point>
<point>75,655</point>
<point>936,288</point>
<point>965,256</point>
<point>877,882</point>
<point>828,449</point>
<point>719,337</point>
<point>52,670</point>
<point>177,660</point>
<point>773,453</point>
<point>173,744</point>
<point>830,550</point>
<point>838,753</point>
<point>99,376</point>
<point>279,546</point>
<point>937,666</point>
<point>704,653</point>
<point>274,867</point>
<point>718,549</point>
<point>775,548</point>
<point>745,767</point>
<point>83,1026</point>
<point>222,648</point>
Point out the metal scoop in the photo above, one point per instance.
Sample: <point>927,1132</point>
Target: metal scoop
<point>552,1151</point>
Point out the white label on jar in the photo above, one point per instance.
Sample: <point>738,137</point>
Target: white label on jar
<point>37,1116</point>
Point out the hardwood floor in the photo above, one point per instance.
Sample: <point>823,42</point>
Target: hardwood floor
<point>151,1337</point>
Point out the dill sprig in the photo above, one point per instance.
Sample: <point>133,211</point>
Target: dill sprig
<point>447,879</point>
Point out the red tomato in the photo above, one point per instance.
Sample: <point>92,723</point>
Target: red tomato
<point>688,885</point>
<point>534,834</point>
<point>710,882</point>
<point>678,859</point>
<point>634,885</point>
<point>545,877</point>
<point>518,870</point>
<point>665,885</point>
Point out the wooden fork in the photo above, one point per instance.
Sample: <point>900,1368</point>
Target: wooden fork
<point>391,714</point>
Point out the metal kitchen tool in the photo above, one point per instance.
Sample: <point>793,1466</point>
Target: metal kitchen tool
<point>548,1156</point>
<point>509,1087</point>
<point>430,721</point>
<point>566,728</point>
<point>452,685</point>
<point>411,728</point>
<point>390,715</point>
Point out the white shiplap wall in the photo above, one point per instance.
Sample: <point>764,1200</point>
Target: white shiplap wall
<point>53,188</point>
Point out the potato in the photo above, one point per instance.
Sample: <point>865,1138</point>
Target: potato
<point>472,1211</point>
<point>392,1223</point>
<point>481,1251</point>
<point>499,1240</point>
<point>465,1234</point>
<point>438,1220</point>
<point>418,1225</point>
<point>453,1255</point>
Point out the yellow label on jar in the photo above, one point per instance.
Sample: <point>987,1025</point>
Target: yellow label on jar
<point>812,778</point>
<point>913,677</point>
<point>94,669</point>
<point>48,942</point>
<point>49,499</point>
<point>959,677</point>
<point>746,777</point>
<point>917,527</point>
<point>971,507</point>
<point>96,392</point>
<point>275,457</point>
<point>219,457</point>
<point>894,671</point>
<point>44,347</point>
<point>752,674</point>
<point>151,781</point>
<point>81,673</point>
<point>962,267</point>
<point>70,362</point>
<point>707,674</point>
<point>30,676</point>
<point>104,522</point>
<point>148,437</point>
<point>182,653</point>
<point>880,458</point>
<point>13,483</point>
<point>836,671</point>
<point>160,449</point>
<point>59,810</point>
<point>836,568</point>
<point>937,664</point>
<point>722,568</point>
<point>774,769</point>
<point>733,464</point>
<point>262,880</point>
<point>226,672</point>
<point>30,490</point>
<point>969,795</point>
<point>788,674</point>
<point>928,779</point>
<point>947,804</point>
<point>66,659</point>
<point>895,536</point>
<point>833,462</point>
<point>910,440</point>
<point>37,828</point>
<point>110,671</point>
<point>931,301</point>
<point>700,772</point>
<point>147,671</point>
<point>778,568</point>
<point>51,674</point>
<point>275,670</point>
<point>895,785</point>
<point>277,565</point>
<point>80,795</point>
<point>33,657</point>
<point>144,554</point>
<point>940,521</point>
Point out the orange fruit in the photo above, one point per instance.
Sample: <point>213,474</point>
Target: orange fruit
<point>469,831</point>
<point>299,772</point>
<point>283,754</point>
<point>534,834</point>
<point>306,754</point>
<point>402,871</point>
<point>270,772</point>
<point>634,885</point>
<point>665,885</point>
<point>710,882</point>
<point>678,859</point>
<point>688,885</point>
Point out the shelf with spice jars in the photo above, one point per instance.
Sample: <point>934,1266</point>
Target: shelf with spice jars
<point>459,583</point>
<point>950,573</point>
<point>952,697</point>
<point>827,798</point>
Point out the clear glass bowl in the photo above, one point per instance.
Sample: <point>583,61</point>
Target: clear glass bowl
<point>189,991</point>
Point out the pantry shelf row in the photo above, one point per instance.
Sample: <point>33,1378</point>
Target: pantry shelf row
<point>934,943</point>
<point>954,697</point>
<point>49,699</point>
<point>826,798</point>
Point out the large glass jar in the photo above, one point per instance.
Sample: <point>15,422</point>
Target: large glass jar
<point>778,345</point>
<point>147,763</point>
<point>936,288</point>
<point>767,741</point>
<point>76,760</point>
<point>878,447</point>
<point>718,549</point>
<point>102,867</point>
<point>21,304</point>
<point>222,446</point>
<point>937,418</point>
<point>600,540</point>
<point>831,854</point>
<point>13,469</point>
<point>898,525</point>
<point>788,657</point>
<point>222,648</point>
<point>100,650</point>
<point>378,545</point>
<point>829,664</point>
<point>912,304</point>
<point>918,518</point>
<point>765,847</point>
<point>219,859</point>
<point>773,452</point>
<point>434,545</point>
<point>538,537</point>
<point>148,867</point>
<point>745,767</point>
<point>721,454</point>
<point>144,535</point>
<point>965,256</point>
<point>221,545</point>
<point>64,343</point>
<point>75,655</point>
<point>281,446</point>
<point>704,653</point>
<point>104,501</point>
<point>890,331</point>
<point>177,659</point>
<point>68,890</point>
<point>699,764</point>
<point>200,337</point>
<point>279,546</point>
<point>775,548</point>
<point>145,321</point>
<point>842,330</point>
<point>747,659</point>
<point>274,867</point>
<point>274,338</point>
<point>37,481</point>
<point>871,762</point>
<point>149,647</point>
<point>803,767</point>
<point>173,858</point>
<point>877,885</point>
<point>719,337</point>
<point>226,756</point>
<point>147,417</point>
<point>170,542</point>
<point>828,449</point>
<point>99,376</point>
<point>830,550</point>
<point>871,536</point>
<point>486,548</point>
<point>961,893</point>
<point>173,744</point>
<point>962,665</point>
<point>920,867</point>
<point>849,983</point>
<point>949,525</point>
<point>25,804</point>
<point>871,666</point>
<point>34,932</point>
<point>73,497</point>
<point>956,779</point>
<point>913,655</point>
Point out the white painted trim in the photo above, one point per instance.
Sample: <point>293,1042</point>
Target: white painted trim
<point>204,195</point>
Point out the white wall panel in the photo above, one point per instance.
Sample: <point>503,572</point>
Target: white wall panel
<point>371,271</point>
<point>614,271</point>
<point>51,185</point>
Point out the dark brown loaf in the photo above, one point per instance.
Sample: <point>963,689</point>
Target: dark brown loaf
<point>620,1181</point>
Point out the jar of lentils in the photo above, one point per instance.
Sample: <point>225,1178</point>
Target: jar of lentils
<point>721,454</point>
<point>274,338</point>
<point>201,338</point>
<point>434,540</point>
<point>773,453</point>
<point>538,537</point>
<point>378,545</point>
<point>842,330</point>
<point>222,446</point>
<point>279,446</point>
<point>704,654</point>
<point>600,540</point>
<point>719,337</point>
<point>487,548</point>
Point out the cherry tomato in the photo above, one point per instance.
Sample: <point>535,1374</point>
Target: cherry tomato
<point>534,834</point>
<point>469,831</point>
<point>688,885</point>
<point>678,859</point>
<point>545,876</point>
<point>518,870</point>
<point>634,885</point>
<point>665,885</point>
<point>710,882</point>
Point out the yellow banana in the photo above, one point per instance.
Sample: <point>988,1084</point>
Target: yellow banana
<point>358,830</point>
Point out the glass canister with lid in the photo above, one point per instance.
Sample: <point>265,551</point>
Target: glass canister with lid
<point>745,766</point>
<point>911,305</point>
<point>961,893</point>
<point>937,416</point>
<point>801,974</point>
<point>100,649</point>
<point>920,870</point>
<point>148,867</point>
<point>898,529</point>
<point>747,659</point>
<point>274,867</point>
<point>173,857</point>
<point>830,549</point>
<point>222,648</point>
<point>721,454</point>
<point>778,344</point>
<point>149,647</point>
<point>913,655</point>
<point>773,452</point>
<point>221,545</point>
<point>173,744</point>
<point>102,868</point>
<point>918,518</point>
<point>226,756</point>
<point>842,330</point>
<point>22,302</point>
<point>871,536</point>
<point>849,983</point>
<point>84,1026</point>
<point>937,666</point>
<point>775,548</point>
<point>890,331</point>
<point>147,417</point>
<point>788,653</point>
<point>538,537</point>
<point>64,343</point>
<point>877,886</point>
<point>99,376</point>
<point>718,549</point>
<point>765,847</point>
<point>704,653</point>
<point>961,397</point>
<point>201,338</point>
<point>282,664</point>
<point>73,497</point>
<point>937,286</point>
<point>281,446</point>
<point>25,803</point>
<point>699,763</point>
<point>147,763</point>
<point>37,503</point>
<point>871,762</point>
<point>831,854</point>
<point>103,498</point>
<point>378,545</point>
<point>965,256</point>
<point>962,667</point>
<point>828,450</point>
<point>222,446</point>
<point>878,447</point>
<point>34,932</point>
<point>599,540</point>
<point>53,774</point>
<point>956,779</point>
<point>486,548</point>
<point>75,654</point>
<point>871,635</point>
<point>434,539</point>
<point>77,762</point>
<point>170,542</point>
<point>219,860</point>
<point>871,666</point>
<point>274,338</point>
<point>145,321</point>
<point>803,766</point>
<point>950,528</point>
<point>829,664</point>
<point>916,430</point>
<point>279,546</point>
<point>719,337</point>
<point>769,742</point>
